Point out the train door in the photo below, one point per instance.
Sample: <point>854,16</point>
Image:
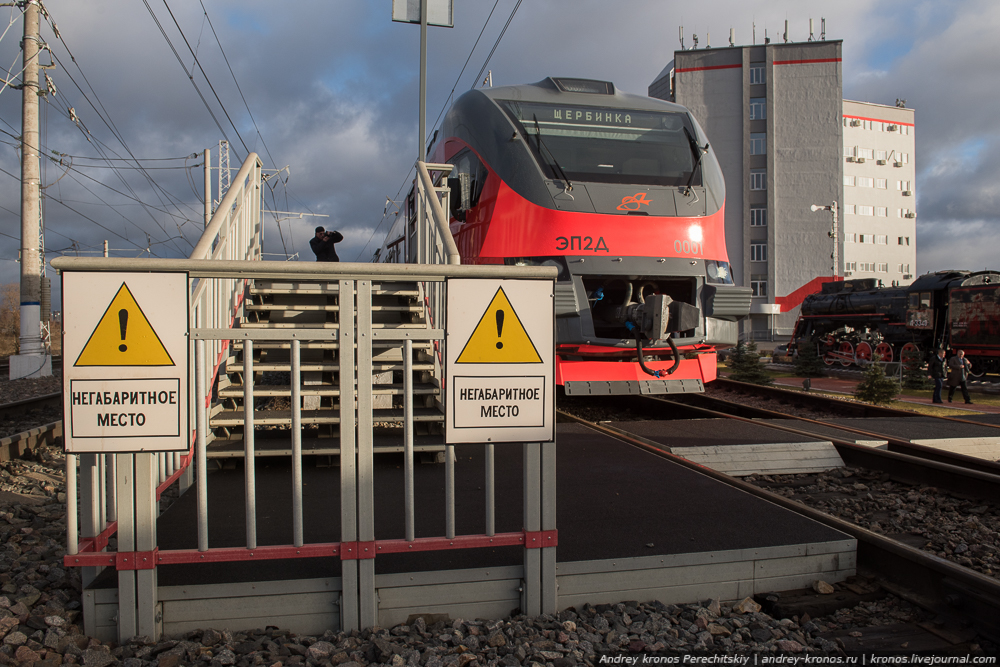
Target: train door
<point>466,220</point>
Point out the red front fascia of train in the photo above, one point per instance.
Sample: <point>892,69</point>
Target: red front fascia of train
<point>505,224</point>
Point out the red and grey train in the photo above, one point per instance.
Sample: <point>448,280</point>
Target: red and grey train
<point>624,195</point>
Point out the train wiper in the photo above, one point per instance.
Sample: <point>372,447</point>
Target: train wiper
<point>699,153</point>
<point>555,163</point>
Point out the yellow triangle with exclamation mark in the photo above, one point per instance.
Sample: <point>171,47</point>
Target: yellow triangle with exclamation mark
<point>124,337</point>
<point>499,338</point>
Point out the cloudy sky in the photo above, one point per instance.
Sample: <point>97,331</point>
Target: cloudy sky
<point>329,89</point>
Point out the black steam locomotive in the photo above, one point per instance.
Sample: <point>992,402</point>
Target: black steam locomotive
<point>855,321</point>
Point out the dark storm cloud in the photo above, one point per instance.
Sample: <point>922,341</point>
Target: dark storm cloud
<point>332,88</point>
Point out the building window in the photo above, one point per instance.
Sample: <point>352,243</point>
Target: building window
<point>904,157</point>
<point>756,74</point>
<point>758,285</point>
<point>849,180</point>
<point>866,182</point>
<point>758,179</point>
<point>882,268</point>
<point>903,212</point>
<point>865,210</point>
<point>851,266</point>
<point>758,252</point>
<point>881,212</point>
<point>758,216</point>
<point>849,208</point>
<point>758,108</point>
<point>758,143</point>
<point>881,239</point>
<point>848,151</point>
<point>880,183</point>
<point>880,155</point>
<point>866,153</point>
<point>903,185</point>
<point>850,238</point>
<point>904,268</point>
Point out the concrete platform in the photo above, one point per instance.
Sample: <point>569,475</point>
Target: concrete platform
<point>736,448</point>
<point>828,432</point>
<point>969,439</point>
<point>631,525</point>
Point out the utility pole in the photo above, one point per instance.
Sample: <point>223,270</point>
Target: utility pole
<point>32,359</point>
<point>422,152</point>
<point>208,187</point>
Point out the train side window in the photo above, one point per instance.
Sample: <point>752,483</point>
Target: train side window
<point>914,300</point>
<point>925,299</point>
<point>466,183</point>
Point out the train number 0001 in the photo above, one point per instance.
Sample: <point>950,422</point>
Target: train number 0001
<point>688,248</point>
<point>581,243</point>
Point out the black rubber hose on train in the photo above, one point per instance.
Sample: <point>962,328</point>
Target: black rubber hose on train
<point>656,374</point>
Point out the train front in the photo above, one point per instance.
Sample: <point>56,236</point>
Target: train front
<point>625,196</point>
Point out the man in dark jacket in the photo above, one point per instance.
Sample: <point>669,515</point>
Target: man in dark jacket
<point>323,245</point>
<point>936,369</point>
<point>958,376</point>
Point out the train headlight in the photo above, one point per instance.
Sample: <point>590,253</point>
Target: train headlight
<point>695,233</point>
<point>718,272</point>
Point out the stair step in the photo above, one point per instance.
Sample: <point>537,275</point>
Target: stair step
<point>270,390</point>
<point>383,444</point>
<point>314,417</point>
<point>313,289</point>
<point>326,325</point>
<point>236,366</point>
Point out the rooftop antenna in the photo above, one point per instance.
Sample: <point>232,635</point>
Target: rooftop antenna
<point>767,40</point>
<point>811,38</point>
<point>755,33</point>
<point>732,37</point>
<point>680,31</point>
<point>708,39</point>
<point>488,81</point>
<point>694,38</point>
<point>822,34</point>
<point>786,31</point>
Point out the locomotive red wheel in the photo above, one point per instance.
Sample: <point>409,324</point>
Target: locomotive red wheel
<point>829,358</point>
<point>911,356</point>
<point>863,353</point>
<point>845,354</point>
<point>883,352</point>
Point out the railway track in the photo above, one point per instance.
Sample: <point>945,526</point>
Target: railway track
<point>932,582</point>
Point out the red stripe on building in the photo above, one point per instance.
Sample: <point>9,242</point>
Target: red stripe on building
<point>796,298</point>
<point>880,120</point>
<point>807,62</point>
<point>700,69</point>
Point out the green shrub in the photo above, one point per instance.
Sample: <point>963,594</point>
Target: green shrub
<point>808,363</point>
<point>744,365</point>
<point>875,387</point>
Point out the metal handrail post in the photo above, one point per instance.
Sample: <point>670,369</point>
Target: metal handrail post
<point>201,431</point>
<point>408,438</point>
<point>296,381</point>
<point>249,454</point>
<point>72,529</point>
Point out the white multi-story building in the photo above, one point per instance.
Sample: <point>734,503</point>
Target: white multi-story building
<point>879,214</point>
<point>788,141</point>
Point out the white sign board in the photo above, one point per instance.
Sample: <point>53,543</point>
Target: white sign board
<point>500,361</point>
<point>125,362</point>
<point>439,12</point>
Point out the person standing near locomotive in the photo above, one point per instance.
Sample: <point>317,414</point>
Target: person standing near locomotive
<point>958,375</point>
<point>936,368</point>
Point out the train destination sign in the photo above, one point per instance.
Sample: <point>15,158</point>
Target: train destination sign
<point>500,361</point>
<point>125,346</point>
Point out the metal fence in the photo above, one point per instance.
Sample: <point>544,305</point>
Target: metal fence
<point>116,495</point>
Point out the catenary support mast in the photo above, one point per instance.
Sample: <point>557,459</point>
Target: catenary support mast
<point>32,359</point>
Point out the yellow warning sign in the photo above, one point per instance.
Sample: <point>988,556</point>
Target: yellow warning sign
<point>499,338</point>
<point>124,337</point>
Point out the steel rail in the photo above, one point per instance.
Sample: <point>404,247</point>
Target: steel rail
<point>19,407</point>
<point>894,444</point>
<point>15,445</point>
<point>931,581</point>
<point>902,467</point>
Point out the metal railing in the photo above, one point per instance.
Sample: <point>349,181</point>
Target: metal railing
<point>138,554</point>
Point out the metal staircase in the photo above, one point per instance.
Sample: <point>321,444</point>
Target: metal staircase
<point>315,310</point>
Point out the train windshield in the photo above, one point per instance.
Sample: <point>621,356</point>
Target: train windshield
<point>607,145</point>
